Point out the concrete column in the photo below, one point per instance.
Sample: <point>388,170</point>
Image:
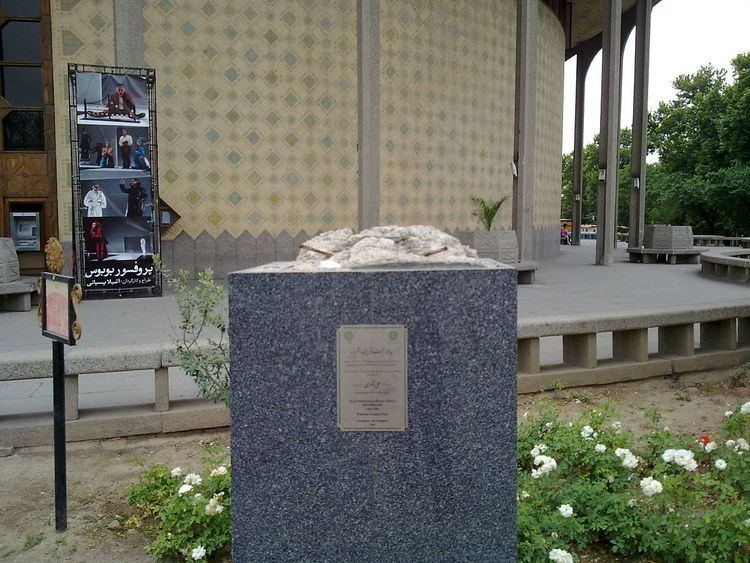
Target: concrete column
<point>161,389</point>
<point>743,331</point>
<point>130,50</point>
<point>609,133</point>
<point>527,27</point>
<point>625,30</point>
<point>583,62</point>
<point>368,90</point>
<point>580,350</point>
<point>640,124</point>
<point>719,335</point>
<point>676,340</point>
<point>528,355</point>
<point>630,345</point>
<point>71,397</point>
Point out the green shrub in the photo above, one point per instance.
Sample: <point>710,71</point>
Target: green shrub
<point>633,497</point>
<point>202,346</point>
<point>192,512</point>
<point>583,486</point>
<point>485,210</point>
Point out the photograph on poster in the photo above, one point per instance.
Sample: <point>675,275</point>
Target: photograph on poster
<point>110,146</point>
<point>104,98</point>
<point>116,197</point>
<point>117,238</point>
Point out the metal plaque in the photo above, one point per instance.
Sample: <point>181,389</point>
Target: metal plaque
<point>372,385</point>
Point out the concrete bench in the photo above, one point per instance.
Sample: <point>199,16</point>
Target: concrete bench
<point>526,271</point>
<point>730,264</point>
<point>671,255</point>
<point>16,295</point>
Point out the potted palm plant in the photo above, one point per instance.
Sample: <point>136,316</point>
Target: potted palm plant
<point>497,245</point>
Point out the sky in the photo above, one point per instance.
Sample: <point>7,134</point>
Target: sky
<point>685,35</point>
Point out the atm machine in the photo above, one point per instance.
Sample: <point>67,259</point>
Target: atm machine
<point>25,230</point>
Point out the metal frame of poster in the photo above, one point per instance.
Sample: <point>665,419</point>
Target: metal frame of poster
<point>114,178</point>
<point>58,326</point>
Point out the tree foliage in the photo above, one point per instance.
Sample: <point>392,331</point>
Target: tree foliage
<point>702,139</point>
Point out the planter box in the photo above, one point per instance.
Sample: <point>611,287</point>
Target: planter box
<point>496,245</point>
<point>9,269</point>
<point>668,237</point>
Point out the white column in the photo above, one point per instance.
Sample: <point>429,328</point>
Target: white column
<point>606,215</point>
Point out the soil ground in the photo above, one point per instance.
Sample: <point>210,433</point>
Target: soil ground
<point>102,527</point>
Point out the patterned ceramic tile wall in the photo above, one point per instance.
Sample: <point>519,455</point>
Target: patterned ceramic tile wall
<point>549,119</point>
<point>447,108</point>
<point>257,113</point>
<point>82,32</point>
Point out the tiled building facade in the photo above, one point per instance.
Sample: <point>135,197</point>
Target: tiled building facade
<point>258,115</point>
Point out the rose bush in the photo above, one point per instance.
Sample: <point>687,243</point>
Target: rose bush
<point>582,484</point>
<point>662,497</point>
<point>192,513</point>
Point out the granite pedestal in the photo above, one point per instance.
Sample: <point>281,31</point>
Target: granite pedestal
<point>445,489</point>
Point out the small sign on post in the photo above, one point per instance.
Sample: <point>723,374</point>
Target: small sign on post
<point>60,323</point>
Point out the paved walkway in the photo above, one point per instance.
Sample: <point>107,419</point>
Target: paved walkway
<point>567,285</point>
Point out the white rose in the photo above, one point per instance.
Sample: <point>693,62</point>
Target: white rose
<point>742,444</point>
<point>566,511</point>
<point>720,464</point>
<point>586,432</point>
<point>198,553</point>
<point>214,507</point>
<point>560,556</point>
<point>176,472</point>
<point>745,409</point>
<point>668,456</point>
<point>727,414</point>
<point>221,470</point>
<point>601,448</point>
<point>630,461</point>
<point>538,450</point>
<point>730,443</point>
<point>193,479</point>
<point>184,489</point>
<point>650,486</point>
<point>711,446</point>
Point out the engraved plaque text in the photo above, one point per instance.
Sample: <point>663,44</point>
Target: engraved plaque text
<point>371,377</point>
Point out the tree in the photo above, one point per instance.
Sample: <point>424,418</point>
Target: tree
<point>590,173</point>
<point>703,141</point>
<point>702,138</point>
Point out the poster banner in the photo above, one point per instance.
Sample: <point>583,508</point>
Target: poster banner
<point>114,179</point>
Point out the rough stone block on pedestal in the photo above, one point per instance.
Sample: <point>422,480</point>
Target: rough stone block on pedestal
<point>444,489</point>
<point>9,268</point>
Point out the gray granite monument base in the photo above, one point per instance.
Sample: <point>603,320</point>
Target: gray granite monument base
<point>445,489</point>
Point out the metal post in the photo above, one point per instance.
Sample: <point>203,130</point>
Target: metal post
<point>606,213</point>
<point>583,62</point>
<point>525,124</point>
<point>640,124</point>
<point>58,401</point>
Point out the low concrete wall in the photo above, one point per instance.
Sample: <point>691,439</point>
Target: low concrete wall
<point>730,264</point>
<point>724,342</point>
